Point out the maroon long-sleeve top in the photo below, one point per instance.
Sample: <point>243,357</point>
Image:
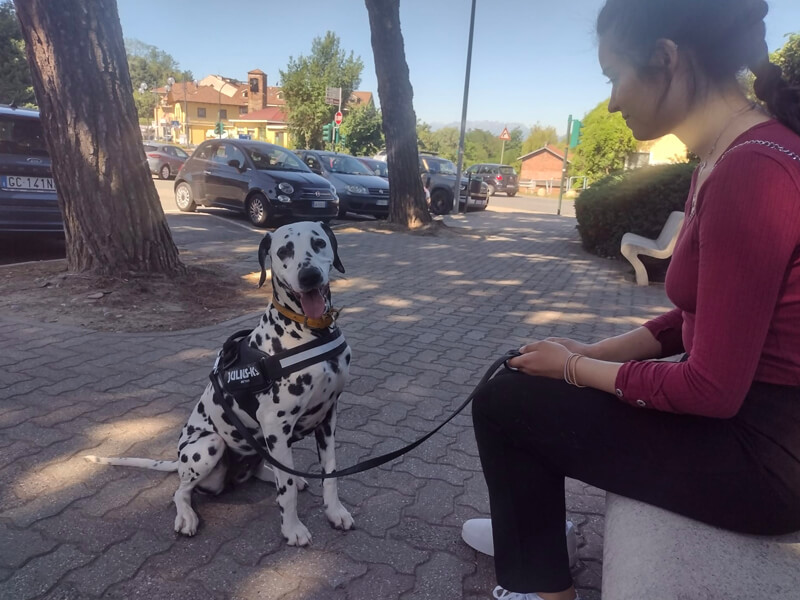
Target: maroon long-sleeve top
<point>735,281</point>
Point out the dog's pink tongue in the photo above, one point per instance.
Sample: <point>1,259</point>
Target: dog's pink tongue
<point>313,304</point>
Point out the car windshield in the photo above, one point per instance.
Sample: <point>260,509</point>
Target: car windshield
<point>21,135</point>
<point>274,159</point>
<point>378,167</point>
<point>341,163</point>
<point>439,165</point>
<point>180,153</point>
<point>507,170</point>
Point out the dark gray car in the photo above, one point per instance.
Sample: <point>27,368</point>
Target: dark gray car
<point>499,178</point>
<point>439,176</point>
<point>165,160</point>
<point>28,201</point>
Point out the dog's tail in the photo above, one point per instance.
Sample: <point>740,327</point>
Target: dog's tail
<point>142,463</point>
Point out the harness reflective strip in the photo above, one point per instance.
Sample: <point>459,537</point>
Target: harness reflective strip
<point>312,354</point>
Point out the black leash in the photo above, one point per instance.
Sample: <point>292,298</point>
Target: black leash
<point>362,466</point>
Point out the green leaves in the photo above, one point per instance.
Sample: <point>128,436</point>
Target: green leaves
<point>605,142</point>
<point>304,82</point>
<point>363,130</point>
<point>15,76</point>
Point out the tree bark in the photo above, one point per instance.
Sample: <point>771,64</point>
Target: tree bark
<point>407,204</point>
<point>113,219</point>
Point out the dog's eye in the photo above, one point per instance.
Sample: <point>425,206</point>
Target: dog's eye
<point>318,244</point>
<point>286,251</point>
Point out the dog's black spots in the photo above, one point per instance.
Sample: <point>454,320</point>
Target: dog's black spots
<point>182,445</point>
<point>226,419</point>
<point>189,429</point>
<point>236,436</point>
<point>296,388</point>
<point>290,481</point>
<point>264,318</point>
<point>281,413</point>
<point>281,490</point>
<point>271,440</point>
<point>215,398</point>
<point>276,345</point>
<point>184,458</point>
<point>278,330</point>
<point>322,441</point>
<point>280,508</point>
<point>286,429</point>
<point>271,320</point>
<point>212,450</point>
<point>196,456</point>
<point>313,410</point>
<point>296,409</point>
<point>201,409</point>
<point>318,244</point>
<point>286,251</point>
<point>259,340</point>
<point>295,335</point>
<point>347,358</point>
<point>333,364</point>
<point>203,434</point>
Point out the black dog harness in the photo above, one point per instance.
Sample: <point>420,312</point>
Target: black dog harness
<point>251,376</point>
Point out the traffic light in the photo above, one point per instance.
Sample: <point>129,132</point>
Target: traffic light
<point>219,128</point>
<point>327,132</point>
<point>340,138</point>
<point>575,134</point>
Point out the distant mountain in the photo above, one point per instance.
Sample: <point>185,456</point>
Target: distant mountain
<point>495,127</point>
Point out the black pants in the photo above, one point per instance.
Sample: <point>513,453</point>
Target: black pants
<point>741,474</point>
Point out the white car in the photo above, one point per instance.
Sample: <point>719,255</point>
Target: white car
<point>381,156</point>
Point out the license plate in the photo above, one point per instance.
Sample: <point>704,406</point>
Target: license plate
<point>318,204</point>
<point>382,203</point>
<point>28,184</point>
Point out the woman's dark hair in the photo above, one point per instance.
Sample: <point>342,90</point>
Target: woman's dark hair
<point>723,37</point>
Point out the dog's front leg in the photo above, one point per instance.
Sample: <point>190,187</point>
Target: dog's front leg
<point>292,528</point>
<point>337,514</point>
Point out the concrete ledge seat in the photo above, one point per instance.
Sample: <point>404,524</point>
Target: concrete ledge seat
<point>632,245</point>
<point>652,554</point>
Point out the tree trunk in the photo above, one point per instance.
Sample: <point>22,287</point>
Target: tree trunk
<point>113,219</point>
<point>407,205</point>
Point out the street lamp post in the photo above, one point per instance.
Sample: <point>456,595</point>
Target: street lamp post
<point>457,189</point>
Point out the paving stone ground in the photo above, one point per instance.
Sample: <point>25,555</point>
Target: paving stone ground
<point>424,315</point>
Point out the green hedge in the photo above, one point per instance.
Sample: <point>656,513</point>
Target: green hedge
<point>638,201</point>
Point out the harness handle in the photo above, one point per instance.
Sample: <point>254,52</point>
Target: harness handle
<point>370,463</point>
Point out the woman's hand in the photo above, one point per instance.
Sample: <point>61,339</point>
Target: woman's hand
<point>545,358</point>
<point>573,346</point>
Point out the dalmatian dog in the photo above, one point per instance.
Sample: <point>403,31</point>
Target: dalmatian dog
<point>212,454</point>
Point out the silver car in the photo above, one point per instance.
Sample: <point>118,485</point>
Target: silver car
<point>165,160</point>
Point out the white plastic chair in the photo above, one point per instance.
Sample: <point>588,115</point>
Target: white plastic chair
<point>633,245</point>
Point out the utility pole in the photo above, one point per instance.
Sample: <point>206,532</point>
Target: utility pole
<point>457,188</point>
<point>564,166</point>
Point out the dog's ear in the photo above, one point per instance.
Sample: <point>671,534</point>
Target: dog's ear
<point>337,262</point>
<point>263,251</point>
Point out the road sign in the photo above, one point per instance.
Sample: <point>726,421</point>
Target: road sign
<point>333,95</point>
<point>338,118</point>
<point>505,135</point>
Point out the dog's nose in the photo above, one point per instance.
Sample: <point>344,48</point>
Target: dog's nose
<point>310,278</point>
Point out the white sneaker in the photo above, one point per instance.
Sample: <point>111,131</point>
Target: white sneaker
<point>503,594</point>
<point>477,533</point>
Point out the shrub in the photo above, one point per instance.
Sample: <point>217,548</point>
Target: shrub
<point>638,201</point>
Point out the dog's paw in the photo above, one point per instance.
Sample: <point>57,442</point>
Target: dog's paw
<point>186,522</point>
<point>298,535</point>
<point>339,517</point>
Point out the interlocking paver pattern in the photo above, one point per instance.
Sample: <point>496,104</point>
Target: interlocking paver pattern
<point>424,314</point>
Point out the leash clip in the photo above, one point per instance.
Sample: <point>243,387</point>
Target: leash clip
<point>215,368</point>
<point>509,355</point>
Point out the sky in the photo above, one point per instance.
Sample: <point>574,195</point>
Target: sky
<point>533,61</point>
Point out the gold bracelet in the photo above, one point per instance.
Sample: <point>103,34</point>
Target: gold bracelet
<point>575,371</point>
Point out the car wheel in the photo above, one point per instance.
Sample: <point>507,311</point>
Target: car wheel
<point>164,172</point>
<point>258,210</point>
<point>511,194</point>
<point>440,202</point>
<point>184,199</point>
<point>492,190</point>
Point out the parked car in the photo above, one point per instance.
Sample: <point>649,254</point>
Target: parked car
<point>499,178</point>
<point>439,177</point>
<point>380,155</point>
<point>262,180</point>
<point>28,200</point>
<point>359,190</point>
<point>165,160</point>
<point>378,167</point>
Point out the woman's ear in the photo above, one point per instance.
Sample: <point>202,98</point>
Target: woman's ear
<point>665,56</point>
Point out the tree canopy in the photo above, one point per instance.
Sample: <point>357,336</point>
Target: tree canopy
<point>788,59</point>
<point>149,65</point>
<point>480,146</point>
<point>363,130</point>
<point>304,82</point>
<point>605,142</point>
<point>15,77</point>
<point>539,137</point>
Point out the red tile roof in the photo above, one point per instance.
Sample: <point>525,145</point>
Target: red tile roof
<point>273,114</point>
<point>205,94</point>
